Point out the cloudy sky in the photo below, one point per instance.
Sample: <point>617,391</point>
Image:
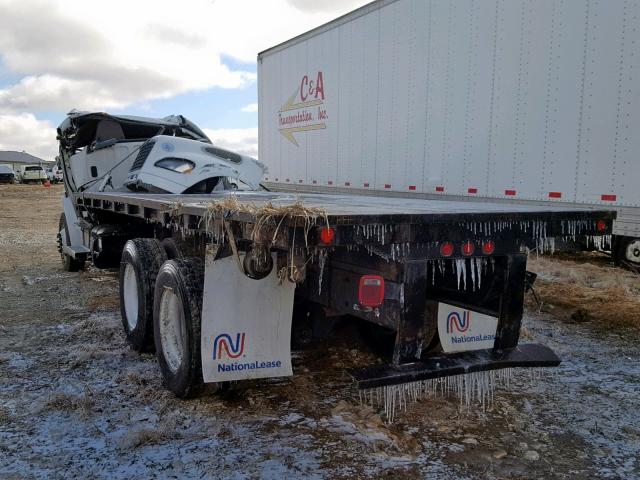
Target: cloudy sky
<point>142,57</point>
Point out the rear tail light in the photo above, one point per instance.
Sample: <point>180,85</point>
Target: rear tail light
<point>371,291</point>
<point>488,247</point>
<point>601,225</point>
<point>468,248</point>
<point>327,235</point>
<point>446,249</point>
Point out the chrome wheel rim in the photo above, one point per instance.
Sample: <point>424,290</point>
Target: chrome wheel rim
<point>130,294</point>
<point>633,251</point>
<point>173,335</point>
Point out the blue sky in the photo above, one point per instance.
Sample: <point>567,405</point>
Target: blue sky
<point>196,58</point>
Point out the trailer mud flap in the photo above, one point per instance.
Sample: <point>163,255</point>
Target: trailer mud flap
<point>246,324</point>
<point>526,355</point>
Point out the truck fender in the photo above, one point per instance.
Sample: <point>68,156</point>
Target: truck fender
<point>73,231</point>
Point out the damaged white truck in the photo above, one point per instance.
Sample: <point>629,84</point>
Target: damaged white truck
<point>209,275</point>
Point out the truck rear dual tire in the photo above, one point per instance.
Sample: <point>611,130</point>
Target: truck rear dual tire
<point>139,266</point>
<point>177,317</point>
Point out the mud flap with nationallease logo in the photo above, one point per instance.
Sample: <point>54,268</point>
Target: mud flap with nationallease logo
<point>246,324</point>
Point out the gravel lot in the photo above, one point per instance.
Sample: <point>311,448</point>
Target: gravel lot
<point>75,402</point>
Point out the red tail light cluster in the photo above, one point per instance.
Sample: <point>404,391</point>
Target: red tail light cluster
<point>446,249</point>
<point>488,247</point>
<point>468,248</point>
<point>601,226</point>
<point>327,235</point>
<point>371,291</point>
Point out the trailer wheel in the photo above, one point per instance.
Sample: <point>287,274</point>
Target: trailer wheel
<point>69,264</point>
<point>630,252</point>
<point>172,248</point>
<point>177,319</point>
<point>140,262</point>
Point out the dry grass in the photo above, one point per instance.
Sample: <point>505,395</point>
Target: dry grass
<point>587,289</point>
<point>150,436</point>
<point>5,416</point>
<point>103,303</point>
<point>61,401</point>
<point>268,214</point>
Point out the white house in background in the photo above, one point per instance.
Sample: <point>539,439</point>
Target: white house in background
<point>17,160</point>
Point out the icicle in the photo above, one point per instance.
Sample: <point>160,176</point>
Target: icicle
<point>470,388</point>
<point>321,261</point>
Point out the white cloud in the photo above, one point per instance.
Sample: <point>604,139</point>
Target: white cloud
<point>251,108</point>
<point>241,140</point>
<point>110,55</point>
<point>26,132</point>
<point>105,55</point>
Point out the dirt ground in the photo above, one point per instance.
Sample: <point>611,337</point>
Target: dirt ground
<point>75,402</point>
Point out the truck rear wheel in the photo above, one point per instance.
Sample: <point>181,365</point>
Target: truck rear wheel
<point>140,262</point>
<point>69,264</point>
<point>630,252</point>
<point>177,319</point>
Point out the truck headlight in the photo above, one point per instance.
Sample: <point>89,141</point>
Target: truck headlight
<point>179,165</point>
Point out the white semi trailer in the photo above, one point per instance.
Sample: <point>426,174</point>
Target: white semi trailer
<point>508,100</point>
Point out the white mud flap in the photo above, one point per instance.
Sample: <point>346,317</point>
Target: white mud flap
<point>246,323</point>
<point>462,330</point>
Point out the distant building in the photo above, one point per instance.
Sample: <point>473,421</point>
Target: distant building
<point>17,160</point>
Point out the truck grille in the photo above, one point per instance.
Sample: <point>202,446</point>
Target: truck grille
<point>144,152</point>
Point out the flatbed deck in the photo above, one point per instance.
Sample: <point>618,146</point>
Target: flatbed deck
<point>340,209</point>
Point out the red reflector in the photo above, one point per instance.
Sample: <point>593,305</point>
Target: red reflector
<point>473,190</point>
<point>386,185</point>
<point>371,291</point>
<point>488,247</point>
<point>468,248</point>
<point>366,185</point>
<point>446,250</point>
<point>555,194</point>
<point>412,187</point>
<point>510,192</point>
<point>439,189</point>
<point>609,198</point>
<point>601,225</point>
<point>327,235</point>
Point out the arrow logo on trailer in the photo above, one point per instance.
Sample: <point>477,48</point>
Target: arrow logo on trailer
<point>296,115</point>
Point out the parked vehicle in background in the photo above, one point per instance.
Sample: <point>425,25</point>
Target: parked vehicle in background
<point>54,174</point>
<point>7,174</point>
<point>436,100</point>
<point>33,174</point>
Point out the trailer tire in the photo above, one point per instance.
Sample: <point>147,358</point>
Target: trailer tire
<point>629,252</point>
<point>139,265</point>
<point>172,248</point>
<point>69,264</point>
<point>177,318</point>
